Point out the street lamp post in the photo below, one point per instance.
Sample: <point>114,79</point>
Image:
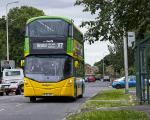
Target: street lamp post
<point>103,69</point>
<point>7,27</point>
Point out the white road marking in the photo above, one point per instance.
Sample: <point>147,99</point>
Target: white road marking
<point>3,105</point>
<point>18,105</point>
<point>2,109</point>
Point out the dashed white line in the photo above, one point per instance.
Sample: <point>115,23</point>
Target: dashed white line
<point>18,105</point>
<point>2,109</point>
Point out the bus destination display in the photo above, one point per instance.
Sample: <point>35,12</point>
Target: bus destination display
<point>48,45</point>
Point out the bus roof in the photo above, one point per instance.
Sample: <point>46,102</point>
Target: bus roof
<point>52,17</point>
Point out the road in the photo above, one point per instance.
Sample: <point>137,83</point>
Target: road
<point>19,108</point>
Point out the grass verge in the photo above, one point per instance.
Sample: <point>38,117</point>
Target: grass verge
<point>109,98</point>
<point>105,99</point>
<point>113,94</point>
<point>110,115</point>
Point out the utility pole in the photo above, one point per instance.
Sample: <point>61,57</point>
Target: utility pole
<point>7,27</point>
<point>126,64</point>
<point>103,68</point>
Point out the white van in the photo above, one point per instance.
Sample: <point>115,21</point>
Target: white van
<point>106,78</point>
<point>12,80</point>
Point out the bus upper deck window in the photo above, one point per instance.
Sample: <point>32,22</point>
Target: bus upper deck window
<point>27,32</point>
<point>70,31</point>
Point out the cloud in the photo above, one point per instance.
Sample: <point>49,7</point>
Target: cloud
<point>48,3</point>
<point>95,52</point>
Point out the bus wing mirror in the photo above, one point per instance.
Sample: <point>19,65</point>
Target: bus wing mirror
<point>76,64</point>
<point>22,63</point>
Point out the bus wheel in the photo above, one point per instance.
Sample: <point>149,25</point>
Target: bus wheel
<point>81,96</point>
<point>18,91</point>
<point>74,97</point>
<point>32,99</point>
<point>22,88</point>
<point>1,93</point>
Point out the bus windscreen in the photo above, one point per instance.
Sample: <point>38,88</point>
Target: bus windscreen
<point>48,68</point>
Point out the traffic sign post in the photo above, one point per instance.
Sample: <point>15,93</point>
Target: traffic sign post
<point>131,39</point>
<point>5,64</point>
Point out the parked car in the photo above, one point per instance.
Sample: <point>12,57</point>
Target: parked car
<point>86,79</point>
<point>97,77</point>
<point>91,78</point>
<point>106,78</point>
<point>120,83</point>
<point>12,81</point>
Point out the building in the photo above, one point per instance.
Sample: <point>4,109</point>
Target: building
<point>90,70</point>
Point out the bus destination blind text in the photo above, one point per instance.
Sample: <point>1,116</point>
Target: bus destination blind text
<point>48,45</point>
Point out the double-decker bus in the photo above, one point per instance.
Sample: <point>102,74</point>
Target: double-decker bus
<point>54,58</point>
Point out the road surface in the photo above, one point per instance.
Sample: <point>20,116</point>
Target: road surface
<point>15,107</point>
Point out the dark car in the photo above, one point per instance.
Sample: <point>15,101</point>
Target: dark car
<point>91,78</point>
<point>97,77</point>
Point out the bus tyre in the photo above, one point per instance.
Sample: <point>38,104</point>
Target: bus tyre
<point>21,87</point>
<point>81,96</point>
<point>32,99</point>
<point>18,91</point>
<point>1,93</point>
<point>118,86</point>
<point>74,98</point>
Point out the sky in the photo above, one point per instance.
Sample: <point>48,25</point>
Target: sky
<point>94,52</point>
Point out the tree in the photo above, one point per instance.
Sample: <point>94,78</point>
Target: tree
<point>17,21</point>
<point>2,38</point>
<point>114,19</point>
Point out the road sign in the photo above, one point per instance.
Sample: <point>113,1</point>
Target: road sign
<point>131,39</point>
<point>7,64</point>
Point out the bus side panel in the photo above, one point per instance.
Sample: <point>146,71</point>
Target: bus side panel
<point>79,86</point>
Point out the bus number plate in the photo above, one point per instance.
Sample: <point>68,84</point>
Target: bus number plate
<point>47,94</point>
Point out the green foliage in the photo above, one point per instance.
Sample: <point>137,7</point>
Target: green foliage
<point>116,60</point>
<point>17,20</point>
<point>2,38</point>
<point>114,19</point>
<point>131,70</point>
<point>110,115</point>
<point>113,94</point>
<point>107,99</point>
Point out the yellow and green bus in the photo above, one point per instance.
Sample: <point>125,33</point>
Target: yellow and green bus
<point>54,58</point>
